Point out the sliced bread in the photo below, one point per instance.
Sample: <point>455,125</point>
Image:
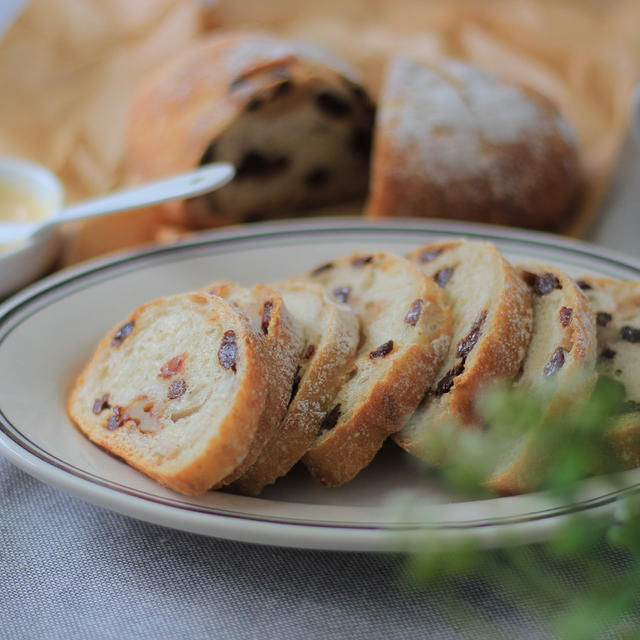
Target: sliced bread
<point>266,309</point>
<point>560,363</point>
<point>176,390</point>
<point>616,305</point>
<point>405,329</point>
<point>331,333</point>
<point>491,309</point>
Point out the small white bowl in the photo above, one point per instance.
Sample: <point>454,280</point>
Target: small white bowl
<point>28,260</point>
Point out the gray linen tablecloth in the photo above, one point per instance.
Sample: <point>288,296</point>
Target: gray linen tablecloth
<point>71,570</point>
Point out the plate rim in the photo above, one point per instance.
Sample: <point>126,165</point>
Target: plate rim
<point>372,537</point>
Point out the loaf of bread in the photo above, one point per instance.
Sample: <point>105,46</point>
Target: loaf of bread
<point>452,141</point>
<point>291,117</point>
<point>559,365</point>
<point>177,390</point>
<point>269,315</point>
<point>331,333</point>
<point>491,309</point>
<point>405,330</point>
<point>616,308</point>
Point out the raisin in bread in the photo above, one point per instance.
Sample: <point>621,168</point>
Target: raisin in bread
<point>266,309</point>
<point>452,141</point>
<point>291,117</point>
<point>616,305</point>
<point>491,309</point>
<point>331,332</point>
<point>560,363</point>
<point>177,391</point>
<point>405,331</point>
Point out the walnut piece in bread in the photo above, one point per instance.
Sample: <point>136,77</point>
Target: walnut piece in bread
<point>176,390</point>
<point>291,117</point>
<point>331,333</point>
<point>452,141</point>
<point>405,330</point>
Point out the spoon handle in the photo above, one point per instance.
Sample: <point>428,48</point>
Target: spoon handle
<point>185,185</point>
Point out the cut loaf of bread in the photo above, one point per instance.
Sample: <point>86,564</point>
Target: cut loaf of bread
<point>491,309</point>
<point>560,364</point>
<point>176,390</point>
<point>331,333</point>
<point>266,309</point>
<point>291,117</point>
<point>453,141</point>
<point>405,331</point>
<point>616,306</point>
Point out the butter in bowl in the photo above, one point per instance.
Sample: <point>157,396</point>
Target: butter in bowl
<point>29,193</point>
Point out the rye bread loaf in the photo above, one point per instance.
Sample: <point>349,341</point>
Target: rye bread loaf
<point>331,333</point>
<point>266,309</point>
<point>452,141</point>
<point>176,390</point>
<point>405,329</point>
<point>291,117</point>
<point>559,365</point>
<point>491,309</point>
<point>616,308</point>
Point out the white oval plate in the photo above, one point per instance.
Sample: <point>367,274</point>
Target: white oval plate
<point>47,332</point>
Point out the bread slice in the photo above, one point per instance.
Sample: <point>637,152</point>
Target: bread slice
<point>491,309</point>
<point>616,305</point>
<point>405,331</point>
<point>560,363</point>
<point>176,390</point>
<point>331,333</point>
<point>266,309</point>
<point>292,118</point>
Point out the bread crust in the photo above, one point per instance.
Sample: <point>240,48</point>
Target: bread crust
<point>221,441</point>
<point>395,363</point>
<point>320,375</point>
<point>452,141</point>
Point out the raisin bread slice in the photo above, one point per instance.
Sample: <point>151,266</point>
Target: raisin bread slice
<point>291,117</point>
<point>266,309</point>
<point>331,332</point>
<point>405,331</point>
<point>560,362</point>
<point>616,305</point>
<point>492,321</point>
<point>177,391</point>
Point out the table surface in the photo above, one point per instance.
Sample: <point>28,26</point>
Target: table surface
<point>72,570</point>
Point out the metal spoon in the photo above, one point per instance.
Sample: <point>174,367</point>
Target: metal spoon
<point>185,185</point>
